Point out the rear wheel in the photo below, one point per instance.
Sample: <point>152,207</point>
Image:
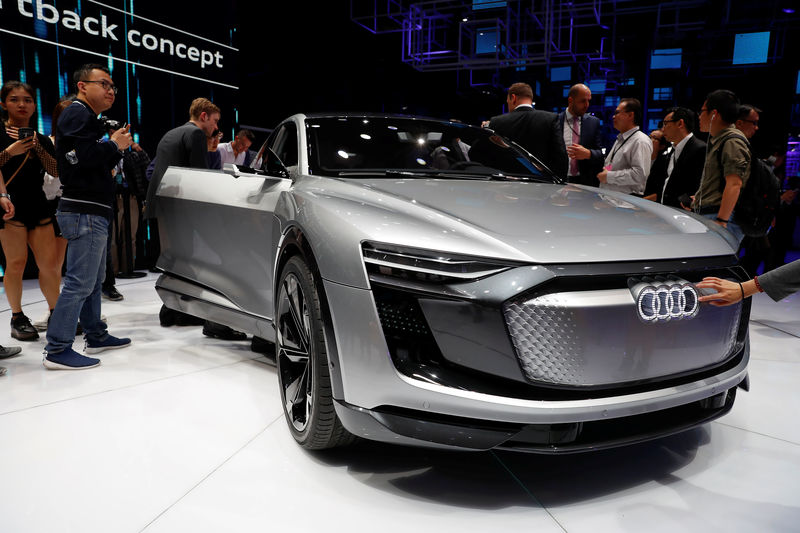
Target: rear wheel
<point>302,361</point>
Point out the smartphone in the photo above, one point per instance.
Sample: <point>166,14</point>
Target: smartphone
<point>24,133</point>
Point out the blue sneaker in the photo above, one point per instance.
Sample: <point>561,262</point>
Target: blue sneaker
<point>110,343</point>
<point>69,359</point>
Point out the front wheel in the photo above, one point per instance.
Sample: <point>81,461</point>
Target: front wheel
<point>302,361</point>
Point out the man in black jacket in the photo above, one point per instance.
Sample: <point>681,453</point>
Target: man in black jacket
<point>685,167</point>
<point>187,146</point>
<point>85,162</point>
<point>582,147</point>
<point>531,128</point>
<point>184,146</point>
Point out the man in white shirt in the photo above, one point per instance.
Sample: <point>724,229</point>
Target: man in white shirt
<point>236,151</point>
<point>628,162</point>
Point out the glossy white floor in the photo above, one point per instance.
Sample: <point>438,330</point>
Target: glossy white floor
<point>184,433</point>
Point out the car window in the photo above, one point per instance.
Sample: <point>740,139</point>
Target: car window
<point>285,144</point>
<point>351,144</point>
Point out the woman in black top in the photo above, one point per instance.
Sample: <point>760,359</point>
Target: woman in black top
<point>23,162</point>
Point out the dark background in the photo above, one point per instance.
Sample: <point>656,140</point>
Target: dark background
<point>310,57</point>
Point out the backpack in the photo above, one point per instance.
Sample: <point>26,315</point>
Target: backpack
<point>758,200</point>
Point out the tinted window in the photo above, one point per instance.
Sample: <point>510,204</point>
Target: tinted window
<point>285,144</point>
<point>352,144</point>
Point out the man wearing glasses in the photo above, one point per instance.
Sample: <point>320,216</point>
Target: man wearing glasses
<point>85,162</point>
<point>727,165</point>
<point>628,162</point>
<point>685,166</point>
<point>747,122</point>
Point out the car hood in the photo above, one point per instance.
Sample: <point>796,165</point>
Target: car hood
<point>525,221</point>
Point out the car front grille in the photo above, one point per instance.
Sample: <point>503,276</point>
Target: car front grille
<point>595,339</point>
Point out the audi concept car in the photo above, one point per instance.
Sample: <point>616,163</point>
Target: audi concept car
<point>431,283</point>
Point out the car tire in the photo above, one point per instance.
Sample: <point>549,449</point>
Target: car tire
<point>302,361</point>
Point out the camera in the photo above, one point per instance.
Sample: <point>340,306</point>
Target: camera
<point>24,133</point>
<point>110,124</point>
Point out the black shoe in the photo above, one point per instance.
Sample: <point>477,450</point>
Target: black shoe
<point>111,293</point>
<point>169,317</point>
<point>219,331</point>
<point>264,346</point>
<point>11,351</point>
<point>22,329</point>
<point>166,317</point>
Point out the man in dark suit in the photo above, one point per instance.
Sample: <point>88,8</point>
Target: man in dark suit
<point>685,166</point>
<point>187,146</point>
<point>581,150</point>
<point>531,128</point>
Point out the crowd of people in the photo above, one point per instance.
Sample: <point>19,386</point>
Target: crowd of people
<point>58,193</point>
<point>672,165</point>
<point>58,199</point>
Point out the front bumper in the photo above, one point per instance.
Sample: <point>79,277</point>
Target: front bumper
<point>474,387</point>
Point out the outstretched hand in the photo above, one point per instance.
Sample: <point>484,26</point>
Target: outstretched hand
<point>728,292</point>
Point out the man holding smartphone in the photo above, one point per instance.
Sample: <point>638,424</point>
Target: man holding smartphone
<point>84,213</point>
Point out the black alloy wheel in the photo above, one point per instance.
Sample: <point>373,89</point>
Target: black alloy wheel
<point>302,361</point>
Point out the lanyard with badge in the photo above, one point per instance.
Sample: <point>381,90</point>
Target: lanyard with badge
<point>611,161</point>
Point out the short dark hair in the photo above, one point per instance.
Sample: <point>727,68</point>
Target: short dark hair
<point>745,109</point>
<point>247,133</point>
<point>521,90</point>
<point>85,71</point>
<point>725,103</point>
<point>682,113</point>
<point>635,106</point>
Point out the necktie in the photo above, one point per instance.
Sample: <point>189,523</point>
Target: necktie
<point>576,139</point>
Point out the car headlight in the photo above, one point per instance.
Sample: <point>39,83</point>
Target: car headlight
<point>415,264</point>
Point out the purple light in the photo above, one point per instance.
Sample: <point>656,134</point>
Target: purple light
<point>788,10</point>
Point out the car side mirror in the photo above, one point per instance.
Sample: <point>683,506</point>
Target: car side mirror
<point>273,166</point>
<point>230,168</point>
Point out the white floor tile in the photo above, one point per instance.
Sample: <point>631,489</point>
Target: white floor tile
<point>273,484</point>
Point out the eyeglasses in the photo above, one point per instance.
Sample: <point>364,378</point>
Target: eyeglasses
<point>753,122</point>
<point>103,83</point>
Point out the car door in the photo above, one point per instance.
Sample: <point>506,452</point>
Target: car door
<point>219,231</point>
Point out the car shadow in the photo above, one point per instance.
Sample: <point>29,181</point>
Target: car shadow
<point>500,479</point>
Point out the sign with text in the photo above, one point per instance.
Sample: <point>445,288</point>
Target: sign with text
<point>109,32</point>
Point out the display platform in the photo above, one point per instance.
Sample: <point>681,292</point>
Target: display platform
<point>181,432</point>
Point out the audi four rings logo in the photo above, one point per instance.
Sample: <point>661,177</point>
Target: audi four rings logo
<point>662,300</point>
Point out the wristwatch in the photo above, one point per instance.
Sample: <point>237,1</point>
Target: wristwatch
<point>5,195</point>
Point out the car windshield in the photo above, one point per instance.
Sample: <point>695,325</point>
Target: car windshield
<point>354,146</point>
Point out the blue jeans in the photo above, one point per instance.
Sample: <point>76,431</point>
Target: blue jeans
<point>81,294</point>
<point>737,232</point>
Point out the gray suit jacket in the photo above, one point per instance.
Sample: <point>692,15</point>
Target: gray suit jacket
<point>184,146</point>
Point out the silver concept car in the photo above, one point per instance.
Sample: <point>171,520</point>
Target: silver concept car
<point>431,283</point>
